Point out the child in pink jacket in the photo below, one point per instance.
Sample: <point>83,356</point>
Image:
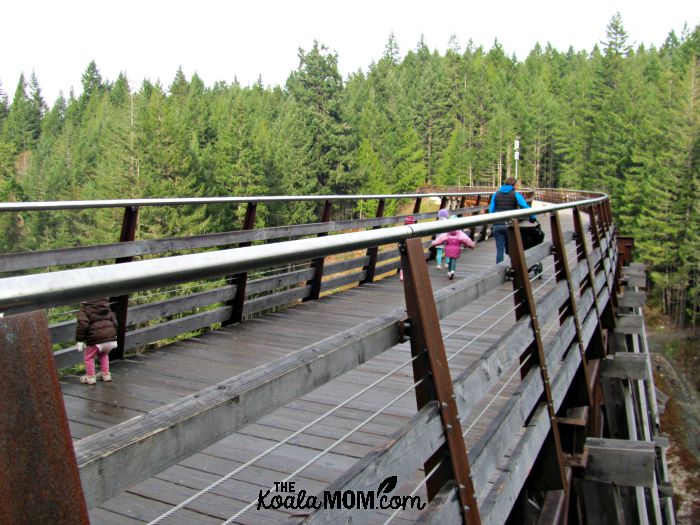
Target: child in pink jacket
<point>453,242</point>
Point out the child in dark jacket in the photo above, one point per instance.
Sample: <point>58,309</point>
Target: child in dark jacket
<point>96,332</point>
<point>453,242</point>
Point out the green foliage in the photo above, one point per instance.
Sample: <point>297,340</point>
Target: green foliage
<point>621,119</point>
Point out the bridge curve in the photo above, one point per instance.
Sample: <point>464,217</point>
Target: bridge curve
<point>511,357</point>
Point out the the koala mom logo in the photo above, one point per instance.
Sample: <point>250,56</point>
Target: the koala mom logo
<point>286,497</point>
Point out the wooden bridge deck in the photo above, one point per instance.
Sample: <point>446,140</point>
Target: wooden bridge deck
<point>162,376</point>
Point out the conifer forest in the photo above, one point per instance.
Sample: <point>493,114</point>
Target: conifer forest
<point>620,118</point>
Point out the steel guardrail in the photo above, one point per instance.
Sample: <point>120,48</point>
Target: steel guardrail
<point>34,292</point>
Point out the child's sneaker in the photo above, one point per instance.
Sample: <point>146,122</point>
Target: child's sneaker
<point>439,266</point>
<point>88,380</point>
<point>451,275</point>
<point>104,376</point>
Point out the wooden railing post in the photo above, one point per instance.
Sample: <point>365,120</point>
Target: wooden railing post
<point>569,309</point>
<point>553,468</point>
<point>39,479</point>
<point>240,280</point>
<point>597,348</point>
<point>317,264</point>
<point>120,304</point>
<point>432,370</point>
<point>372,252</point>
<point>598,231</point>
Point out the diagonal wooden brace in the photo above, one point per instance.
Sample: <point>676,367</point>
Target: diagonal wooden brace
<point>431,369</point>
<point>525,305</point>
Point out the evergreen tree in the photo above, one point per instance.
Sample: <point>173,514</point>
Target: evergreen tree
<point>92,84</point>
<point>409,169</point>
<point>4,105</point>
<point>369,167</point>
<point>23,123</point>
<point>316,87</point>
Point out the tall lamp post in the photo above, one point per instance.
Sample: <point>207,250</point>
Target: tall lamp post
<point>516,150</point>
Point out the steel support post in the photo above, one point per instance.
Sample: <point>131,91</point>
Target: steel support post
<point>525,305</point>
<point>240,280</point>
<point>431,370</point>
<point>597,348</point>
<point>472,230</point>
<point>563,272</point>
<point>317,264</point>
<point>374,250</point>
<point>416,205</point>
<point>485,230</point>
<point>462,204</point>
<point>120,304</point>
<point>39,479</point>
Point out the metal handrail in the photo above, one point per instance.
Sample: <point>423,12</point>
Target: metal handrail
<point>183,201</point>
<point>122,203</point>
<point>34,292</point>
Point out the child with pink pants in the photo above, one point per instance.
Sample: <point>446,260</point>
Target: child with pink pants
<point>96,331</point>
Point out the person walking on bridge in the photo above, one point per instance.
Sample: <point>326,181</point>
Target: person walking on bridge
<point>96,332</point>
<point>453,242</point>
<point>443,215</point>
<point>505,199</point>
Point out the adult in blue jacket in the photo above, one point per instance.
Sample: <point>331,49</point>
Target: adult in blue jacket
<point>505,199</point>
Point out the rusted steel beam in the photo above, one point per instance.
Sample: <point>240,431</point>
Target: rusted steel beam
<point>485,230</point>
<point>241,279</point>
<point>563,272</point>
<point>525,305</point>
<point>432,369</point>
<point>472,230</point>
<point>317,264</point>
<point>372,252</point>
<point>416,205</point>
<point>39,479</point>
<point>120,304</point>
<point>597,348</point>
<point>462,204</point>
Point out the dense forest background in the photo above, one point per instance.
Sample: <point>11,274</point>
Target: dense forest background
<point>619,119</point>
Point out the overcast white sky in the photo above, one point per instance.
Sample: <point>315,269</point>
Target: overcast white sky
<point>222,39</point>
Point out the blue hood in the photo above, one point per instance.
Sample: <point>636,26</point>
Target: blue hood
<point>506,188</point>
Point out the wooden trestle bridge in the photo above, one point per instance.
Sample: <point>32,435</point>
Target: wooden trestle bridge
<point>304,382</point>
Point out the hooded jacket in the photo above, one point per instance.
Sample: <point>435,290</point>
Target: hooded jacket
<point>96,323</point>
<point>453,242</point>
<point>506,199</point>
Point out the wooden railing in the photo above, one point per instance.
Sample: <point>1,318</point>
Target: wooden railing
<point>143,320</point>
<point>558,373</point>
